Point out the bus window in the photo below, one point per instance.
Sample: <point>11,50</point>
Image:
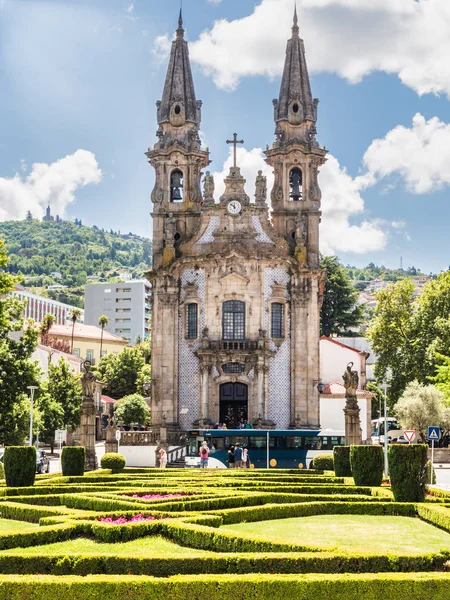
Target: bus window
<point>294,442</point>
<point>257,443</point>
<point>313,443</point>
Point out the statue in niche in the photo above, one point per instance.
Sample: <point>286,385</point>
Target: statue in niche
<point>208,189</point>
<point>261,188</point>
<point>170,230</point>
<point>88,381</point>
<point>351,380</point>
<point>300,230</point>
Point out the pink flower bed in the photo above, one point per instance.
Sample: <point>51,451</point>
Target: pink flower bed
<point>122,520</point>
<point>155,496</point>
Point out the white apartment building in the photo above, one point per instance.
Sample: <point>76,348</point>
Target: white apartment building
<point>126,304</point>
<point>38,306</point>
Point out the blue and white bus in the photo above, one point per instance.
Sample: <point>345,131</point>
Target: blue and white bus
<point>284,449</point>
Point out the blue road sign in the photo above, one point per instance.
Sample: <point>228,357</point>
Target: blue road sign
<point>434,433</point>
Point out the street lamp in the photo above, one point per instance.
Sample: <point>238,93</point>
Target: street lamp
<point>385,387</point>
<point>32,389</point>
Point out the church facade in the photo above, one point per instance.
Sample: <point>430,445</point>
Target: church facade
<point>236,280</point>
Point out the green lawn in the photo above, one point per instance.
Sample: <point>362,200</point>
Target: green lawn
<point>141,547</point>
<point>10,526</point>
<point>354,533</point>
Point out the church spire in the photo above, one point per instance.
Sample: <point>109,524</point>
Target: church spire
<point>178,100</point>
<point>295,103</point>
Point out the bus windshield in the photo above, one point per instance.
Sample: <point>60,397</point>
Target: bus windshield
<point>378,426</point>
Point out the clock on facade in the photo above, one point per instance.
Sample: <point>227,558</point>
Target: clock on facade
<point>234,207</point>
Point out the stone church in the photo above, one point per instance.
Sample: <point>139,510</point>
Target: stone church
<point>237,286</point>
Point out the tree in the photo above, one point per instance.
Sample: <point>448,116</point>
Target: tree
<point>132,409</point>
<point>75,314</point>
<point>17,371</point>
<point>51,418</point>
<point>63,387</point>
<point>442,378</point>
<point>102,321</point>
<point>120,372</point>
<point>419,407</point>
<point>339,311</point>
<point>390,334</point>
<point>47,323</point>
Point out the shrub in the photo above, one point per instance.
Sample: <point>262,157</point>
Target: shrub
<point>431,473</point>
<point>407,467</point>
<point>2,471</point>
<point>341,455</point>
<point>20,465</point>
<point>114,461</point>
<point>367,464</point>
<point>132,409</point>
<point>324,462</point>
<point>72,460</point>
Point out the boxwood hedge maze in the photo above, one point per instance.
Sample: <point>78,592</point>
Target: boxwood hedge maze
<point>176,534</point>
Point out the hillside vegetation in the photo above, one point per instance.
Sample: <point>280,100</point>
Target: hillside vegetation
<point>36,249</point>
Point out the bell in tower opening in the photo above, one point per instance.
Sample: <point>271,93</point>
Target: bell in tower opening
<point>176,186</point>
<point>296,184</point>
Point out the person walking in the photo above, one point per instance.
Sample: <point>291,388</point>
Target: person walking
<point>231,457</point>
<point>246,459</point>
<point>162,458</point>
<point>204,455</point>
<point>237,457</point>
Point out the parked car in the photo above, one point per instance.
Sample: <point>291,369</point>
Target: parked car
<point>42,462</point>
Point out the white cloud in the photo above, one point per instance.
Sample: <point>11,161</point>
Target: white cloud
<point>56,184</point>
<point>341,201</point>
<point>161,48</point>
<point>351,38</point>
<point>215,2</point>
<point>420,155</point>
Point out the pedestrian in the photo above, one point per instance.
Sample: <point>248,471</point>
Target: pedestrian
<point>204,455</point>
<point>231,457</point>
<point>162,458</point>
<point>224,426</point>
<point>237,457</point>
<point>246,459</point>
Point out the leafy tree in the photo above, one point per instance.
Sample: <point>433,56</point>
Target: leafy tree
<point>442,378</point>
<point>103,322</point>
<point>51,418</point>
<point>120,372</point>
<point>339,311</point>
<point>16,369</point>
<point>390,334</point>
<point>46,324</point>
<point>377,400</point>
<point>132,409</point>
<point>419,407</point>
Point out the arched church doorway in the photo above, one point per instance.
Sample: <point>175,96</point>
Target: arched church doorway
<point>233,404</point>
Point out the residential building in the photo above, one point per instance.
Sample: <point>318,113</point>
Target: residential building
<point>38,306</point>
<point>87,340</point>
<point>127,306</point>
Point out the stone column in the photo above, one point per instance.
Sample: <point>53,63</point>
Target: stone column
<point>87,423</point>
<point>260,386</point>
<point>352,427</point>
<point>205,389</point>
<point>266,391</point>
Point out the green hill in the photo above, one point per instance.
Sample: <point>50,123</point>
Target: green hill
<point>41,251</point>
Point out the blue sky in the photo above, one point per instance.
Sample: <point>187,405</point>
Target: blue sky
<point>79,80</point>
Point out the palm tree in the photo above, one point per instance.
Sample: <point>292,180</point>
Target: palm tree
<point>46,324</point>
<point>102,321</point>
<point>75,314</point>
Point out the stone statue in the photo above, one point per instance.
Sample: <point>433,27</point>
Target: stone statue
<point>351,380</point>
<point>260,188</point>
<point>171,229</point>
<point>300,230</point>
<point>88,380</point>
<point>208,189</point>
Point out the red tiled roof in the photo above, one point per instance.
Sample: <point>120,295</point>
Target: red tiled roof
<point>324,337</point>
<point>338,389</point>
<point>108,399</point>
<point>84,331</point>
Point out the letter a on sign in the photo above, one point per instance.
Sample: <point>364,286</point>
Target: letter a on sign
<point>409,434</point>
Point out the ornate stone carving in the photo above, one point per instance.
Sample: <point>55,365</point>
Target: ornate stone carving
<point>314,190</point>
<point>208,190</point>
<point>261,188</point>
<point>88,381</point>
<point>351,380</point>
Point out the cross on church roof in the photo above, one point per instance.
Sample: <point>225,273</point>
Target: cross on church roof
<point>235,142</point>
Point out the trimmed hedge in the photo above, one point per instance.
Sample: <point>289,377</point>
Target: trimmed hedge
<point>367,465</point>
<point>324,462</point>
<point>414,586</point>
<point>114,461</point>
<point>408,471</point>
<point>72,460</point>
<point>20,465</point>
<point>341,456</point>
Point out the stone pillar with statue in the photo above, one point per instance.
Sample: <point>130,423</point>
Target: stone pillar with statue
<point>87,423</point>
<point>352,421</point>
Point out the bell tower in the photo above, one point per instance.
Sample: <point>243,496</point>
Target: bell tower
<point>295,157</point>
<point>177,157</point>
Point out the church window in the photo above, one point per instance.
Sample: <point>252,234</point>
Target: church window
<point>176,186</point>
<point>233,368</point>
<point>296,184</point>
<point>277,329</point>
<point>192,322</point>
<point>233,320</point>
<point>177,109</point>
<point>295,108</point>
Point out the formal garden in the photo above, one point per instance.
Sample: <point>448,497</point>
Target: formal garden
<point>194,533</point>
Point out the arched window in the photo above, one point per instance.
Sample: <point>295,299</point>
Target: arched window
<point>233,320</point>
<point>192,321</point>
<point>277,320</point>
<point>296,184</point>
<point>176,186</point>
